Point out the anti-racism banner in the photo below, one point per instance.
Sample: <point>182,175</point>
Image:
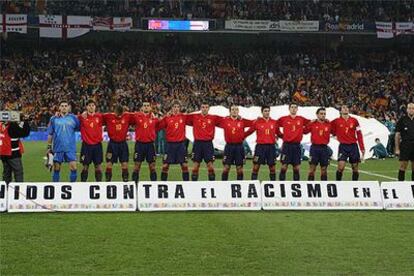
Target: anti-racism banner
<point>85,196</point>
<point>13,23</point>
<point>314,195</point>
<point>201,195</point>
<point>3,197</point>
<point>251,25</point>
<point>299,26</point>
<point>398,195</point>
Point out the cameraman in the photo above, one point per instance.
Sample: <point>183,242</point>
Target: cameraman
<point>11,149</point>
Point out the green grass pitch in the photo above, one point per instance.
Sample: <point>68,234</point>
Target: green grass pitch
<point>208,243</point>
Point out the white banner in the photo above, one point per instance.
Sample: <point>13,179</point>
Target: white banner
<point>13,23</point>
<point>299,26</point>
<point>112,23</point>
<point>3,197</point>
<point>398,195</point>
<point>314,195</point>
<point>251,25</point>
<point>62,26</point>
<point>201,195</point>
<point>85,196</point>
<point>389,29</point>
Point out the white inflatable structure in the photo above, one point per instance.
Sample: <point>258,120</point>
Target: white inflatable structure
<point>371,128</point>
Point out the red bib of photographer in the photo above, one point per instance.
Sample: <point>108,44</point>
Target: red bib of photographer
<point>5,142</point>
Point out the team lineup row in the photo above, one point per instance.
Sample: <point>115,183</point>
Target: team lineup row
<point>290,128</point>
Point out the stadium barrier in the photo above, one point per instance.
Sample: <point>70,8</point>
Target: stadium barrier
<point>206,195</point>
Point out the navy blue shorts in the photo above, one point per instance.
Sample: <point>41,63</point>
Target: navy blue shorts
<point>349,151</point>
<point>265,154</point>
<point>203,150</point>
<point>176,153</point>
<point>144,151</point>
<point>291,154</point>
<point>91,153</point>
<point>117,151</point>
<point>319,154</point>
<point>234,154</point>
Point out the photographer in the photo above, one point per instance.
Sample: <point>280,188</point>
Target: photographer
<point>11,148</point>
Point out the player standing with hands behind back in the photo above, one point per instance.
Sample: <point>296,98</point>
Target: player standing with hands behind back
<point>404,142</point>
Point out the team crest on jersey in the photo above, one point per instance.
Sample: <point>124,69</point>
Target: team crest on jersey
<point>97,120</point>
<point>351,125</point>
<point>238,125</point>
<point>326,129</point>
<point>113,121</point>
<point>209,121</point>
<point>298,123</point>
<point>150,121</point>
<point>123,121</point>
<point>181,121</point>
<point>271,126</point>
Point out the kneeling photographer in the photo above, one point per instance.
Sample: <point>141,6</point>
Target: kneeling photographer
<point>11,148</point>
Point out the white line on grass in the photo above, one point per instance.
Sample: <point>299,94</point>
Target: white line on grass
<point>369,173</point>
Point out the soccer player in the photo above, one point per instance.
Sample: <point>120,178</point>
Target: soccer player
<point>146,125</point>
<point>293,127</point>
<point>176,152</point>
<point>91,124</point>
<point>266,135</point>
<point>320,131</point>
<point>61,132</point>
<point>204,126</point>
<point>404,142</point>
<point>117,125</point>
<point>233,127</point>
<point>348,132</point>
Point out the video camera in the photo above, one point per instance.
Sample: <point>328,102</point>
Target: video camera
<point>10,116</point>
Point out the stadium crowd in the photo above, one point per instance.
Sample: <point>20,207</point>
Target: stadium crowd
<point>332,10</point>
<point>374,84</point>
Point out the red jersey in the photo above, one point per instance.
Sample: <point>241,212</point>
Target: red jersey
<point>348,131</point>
<point>117,126</point>
<point>204,126</point>
<point>145,127</point>
<point>91,128</point>
<point>292,128</point>
<point>174,127</point>
<point>234,129</point>
<point>320,132</point>
<point>266,131</point>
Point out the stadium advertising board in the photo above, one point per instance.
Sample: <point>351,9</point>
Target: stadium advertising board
<point>3,197</point>
<point>398,195</point>
<point>90,196</point>
<point>314,195</point>
<point>251,25</point>
<point>177,25</point>
<point>299,26</point>
<point>345,26</point>
<point>202,195</point>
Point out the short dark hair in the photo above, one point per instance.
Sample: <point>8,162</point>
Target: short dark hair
<point>292,103</point>
<point>63,101</point>
<point>90,101</point>
<point>119,109</point>
<point>265,107</point>
<point>377,139</point>
<point>175,102</point>
<point>320,109</point>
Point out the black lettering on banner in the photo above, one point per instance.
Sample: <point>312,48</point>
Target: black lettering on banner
<point>128,191</point>
<point>162,191</point>
<point>147,190</point>
<point>2,191</point>
<point>366,192</point>
<point>31,192</point>
<point>252,191</point>
<point>179,192</point>
<point>92,194</point>
<point>314,190</point>
<point>332,190</point>
<point>356,193</point>
<point>385,193</point>
<point>66,192</point>
<point>111,192</point>
<point>282,191</point>
<point>236,191</point>
<point>16,192</point>
<point>296,190</point>
<point>412,189</point>
<point>394,194</point>
<point>203,193</point>
<point>213,193</point>
<point>267,191</point>
<point>49,192</point>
